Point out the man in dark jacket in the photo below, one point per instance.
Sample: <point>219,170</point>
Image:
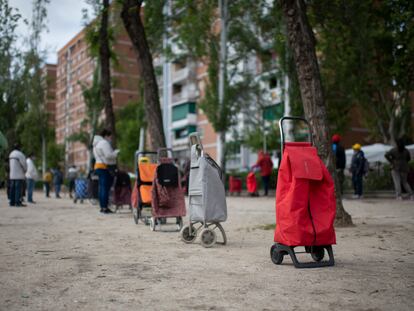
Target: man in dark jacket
<point>358,170</point>
<point>399,158</point>
<point>339,152</point>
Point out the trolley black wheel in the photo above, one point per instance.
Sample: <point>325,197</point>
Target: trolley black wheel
<point>136,214</point>
<point>223,234</point>
<point>179,223</point>
<point>153,223</point>
<point>186,236</point>
<point>208,237</point>
<point>276,255</point>
<point>317,253</point>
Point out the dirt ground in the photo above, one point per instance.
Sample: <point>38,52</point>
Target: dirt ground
<point>60,256</point>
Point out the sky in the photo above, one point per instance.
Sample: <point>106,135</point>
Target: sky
<point>64,21</point>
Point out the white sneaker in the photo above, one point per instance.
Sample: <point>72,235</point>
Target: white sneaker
<point>399,198</point>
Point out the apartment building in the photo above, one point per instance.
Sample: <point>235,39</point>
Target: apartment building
<point>49,78</point>
<point>187,86</point>
<point>76,67</point>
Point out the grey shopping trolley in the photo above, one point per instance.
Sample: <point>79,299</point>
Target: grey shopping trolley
<point>207,198</point>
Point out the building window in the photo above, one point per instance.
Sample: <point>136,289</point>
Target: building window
<point>177,89</point>
<point>180,112</point>
<point>272,83</point>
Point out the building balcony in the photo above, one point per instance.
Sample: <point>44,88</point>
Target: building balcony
<point>190,119</point>
<point>186,95</point>
<point>180,75</point>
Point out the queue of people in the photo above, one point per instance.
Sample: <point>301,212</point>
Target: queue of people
<point>23,173</point>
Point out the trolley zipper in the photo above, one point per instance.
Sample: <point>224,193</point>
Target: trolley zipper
<point>311,219</point>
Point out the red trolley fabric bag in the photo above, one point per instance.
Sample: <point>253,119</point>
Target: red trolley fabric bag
<point>251,183</point>
<point>305,198</point>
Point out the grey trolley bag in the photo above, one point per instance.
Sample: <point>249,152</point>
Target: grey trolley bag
<point>207,198</point>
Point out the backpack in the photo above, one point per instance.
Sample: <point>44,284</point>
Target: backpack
<point>167,175</point>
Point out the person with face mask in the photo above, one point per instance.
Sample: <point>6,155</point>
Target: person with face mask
<point>399,158</point>
<point>105,162</point>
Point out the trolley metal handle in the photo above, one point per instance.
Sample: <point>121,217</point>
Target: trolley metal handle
<point>194,139</point>
<point>282,132</point>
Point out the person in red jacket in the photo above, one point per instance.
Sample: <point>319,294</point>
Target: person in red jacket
<point>264,162</point>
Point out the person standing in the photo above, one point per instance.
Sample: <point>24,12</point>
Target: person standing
<point>72,175</point>
<point>399,158</point>
<point>340,157</point>
<point>47,179</point>
<point>357,170</point>
<point>31,177</point>
<point>105,158</point>
<point>18,167</point>
<point>57,181</point>
<point>264,162</point>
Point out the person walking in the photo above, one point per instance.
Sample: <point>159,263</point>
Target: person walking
<point>31,177</point>
<point>72,175</point>
<point>357,170</point>
<point>47,179</point>
<point>399,158</point>
<point>264,162</point>
<point>105,158</point>
<point>18,167</point>
<point>340,157</point>
<point>57,181</point>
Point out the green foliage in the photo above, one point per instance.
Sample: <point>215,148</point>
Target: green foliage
<point>11,85</point>
<point>94,105</point>
<point>154,21</point>
<point>93,25</point>
<point>130,119</point>
<point>254,138</point>
<point>365,50</point>
<point>32,125</point>
<point>55,154</point>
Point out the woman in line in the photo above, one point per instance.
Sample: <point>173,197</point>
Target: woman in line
<point>105,161</point>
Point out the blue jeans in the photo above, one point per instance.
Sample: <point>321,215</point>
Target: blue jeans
<point>357,182</point>
<point>57,190</point>
<point>105,183</point>
<point>16,192</point>
<point>30,188</point>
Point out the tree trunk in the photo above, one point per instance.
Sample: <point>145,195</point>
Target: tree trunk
<point>104,59</point>
<point>131,17</point>
<point>302,43</point>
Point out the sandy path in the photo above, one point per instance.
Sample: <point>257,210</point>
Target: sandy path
<point>60,256</point>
